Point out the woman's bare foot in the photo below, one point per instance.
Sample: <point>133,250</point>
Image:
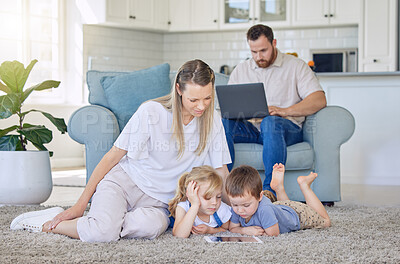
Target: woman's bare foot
<point>278,174</point>
<point>306,180</point>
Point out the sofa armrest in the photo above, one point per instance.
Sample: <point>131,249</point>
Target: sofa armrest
<point>97,128</point>
<point>326,131</point>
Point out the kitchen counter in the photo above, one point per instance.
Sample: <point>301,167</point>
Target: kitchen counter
<point>371,155</point>
<point>356,74</point>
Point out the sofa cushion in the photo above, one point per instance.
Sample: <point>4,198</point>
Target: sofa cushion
<point>96,91</point>
<point>300,156</point>
<point>126,92</point>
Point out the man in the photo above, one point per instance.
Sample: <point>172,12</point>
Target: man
<point>292,91</point>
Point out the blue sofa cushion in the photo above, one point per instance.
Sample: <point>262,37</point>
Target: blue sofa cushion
<point>126,92</point>
<point>96,91</point>
<point>300,156</point>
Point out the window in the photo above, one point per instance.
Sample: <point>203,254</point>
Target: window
<point>31,29</point>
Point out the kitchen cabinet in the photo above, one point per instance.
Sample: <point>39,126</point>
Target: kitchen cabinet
<point>193,15</point>
<point>149,14</point>
<point>116,11</point>
<point>161,14</point>
<point>243,14</point>
<point>141,13</point>
<point>377,35</point>
<point>326,12</point>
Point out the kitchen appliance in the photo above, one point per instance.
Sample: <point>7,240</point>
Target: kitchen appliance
<point>335,60</point>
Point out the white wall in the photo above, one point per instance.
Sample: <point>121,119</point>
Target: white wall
<point>372,154</point>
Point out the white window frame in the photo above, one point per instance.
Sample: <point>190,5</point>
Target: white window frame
<point>53,96</point>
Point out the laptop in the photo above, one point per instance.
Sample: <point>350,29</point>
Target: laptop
<point>242,101</point>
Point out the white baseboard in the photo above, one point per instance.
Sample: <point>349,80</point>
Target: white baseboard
<point>67,162</point>
<point>378,180</point>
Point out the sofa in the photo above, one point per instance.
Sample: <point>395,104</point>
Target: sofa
<point>115,96</point>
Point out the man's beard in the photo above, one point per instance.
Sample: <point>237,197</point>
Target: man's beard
<point>266,63</point>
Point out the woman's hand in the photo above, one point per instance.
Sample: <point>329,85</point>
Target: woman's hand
<point>192,193</point>
<point>69,214</point>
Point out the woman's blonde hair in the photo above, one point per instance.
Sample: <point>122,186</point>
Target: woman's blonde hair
<point>199,175</point>
<point>192,72</point>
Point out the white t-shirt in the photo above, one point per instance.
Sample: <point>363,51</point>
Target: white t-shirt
<point>287,81</point>
<point>224,213</point>
<point>152,159</point>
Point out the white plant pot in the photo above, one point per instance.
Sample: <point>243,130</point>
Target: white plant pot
<point>25,177</point>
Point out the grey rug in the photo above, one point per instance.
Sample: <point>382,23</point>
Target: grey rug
<point>358,235</point>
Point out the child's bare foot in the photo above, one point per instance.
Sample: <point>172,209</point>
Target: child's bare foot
<point>307,180</point>
<point>278,174</point>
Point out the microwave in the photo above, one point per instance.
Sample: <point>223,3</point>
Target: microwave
<point>337,60</point>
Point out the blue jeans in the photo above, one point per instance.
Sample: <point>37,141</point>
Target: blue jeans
<point>276,134</point>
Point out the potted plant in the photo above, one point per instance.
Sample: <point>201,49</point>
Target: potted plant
<point>25,175</point>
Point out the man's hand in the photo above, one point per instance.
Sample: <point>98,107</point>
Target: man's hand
<point>278,111</point>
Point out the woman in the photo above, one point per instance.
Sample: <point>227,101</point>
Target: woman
<point>134,181</point>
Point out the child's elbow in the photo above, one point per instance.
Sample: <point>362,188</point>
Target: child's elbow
<point>272,233</point>
<point>180,234</point>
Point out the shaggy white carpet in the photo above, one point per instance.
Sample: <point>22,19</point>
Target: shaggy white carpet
<point>358,235</point>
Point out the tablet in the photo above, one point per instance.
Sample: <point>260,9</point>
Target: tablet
<point>238,239</point>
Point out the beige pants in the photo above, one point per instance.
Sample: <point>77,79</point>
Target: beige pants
<point>119,209</point>
<point>308,217</point>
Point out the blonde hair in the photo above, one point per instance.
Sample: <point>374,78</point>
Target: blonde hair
<point>192,72</point>
<point>199,175</point>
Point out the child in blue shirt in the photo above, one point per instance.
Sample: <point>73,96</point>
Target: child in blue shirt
<point>254,214</point>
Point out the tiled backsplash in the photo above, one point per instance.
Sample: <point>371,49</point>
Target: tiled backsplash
<point>123,49</point>
<point>114,49</point>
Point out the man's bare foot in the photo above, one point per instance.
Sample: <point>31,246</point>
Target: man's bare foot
<point>278,174</point>
<point>307,180</point>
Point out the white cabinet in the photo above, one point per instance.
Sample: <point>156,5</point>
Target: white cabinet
<point>326,12</point>
<point>377,36</point>
<point>245,13</point>
<point>161,14</point>
<point>116,11</point>
<point>149,14</point>
<point>188,15</point>
<point>179,15</point>
<point>204,14</point>
<point>141,13</point>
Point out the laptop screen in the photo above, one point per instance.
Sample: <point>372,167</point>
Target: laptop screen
<point>242,101</point>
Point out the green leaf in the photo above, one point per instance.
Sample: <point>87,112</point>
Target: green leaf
<point>37,135</point>
<point>57,122</point>
<point>14,75</point>
<point>4,132</point>
<point>39,87</point>
<point>9,105</point>
<point>5,88</point>
<point>9,143</point>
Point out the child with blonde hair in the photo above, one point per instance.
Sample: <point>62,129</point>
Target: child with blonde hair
<point>197,206</point>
